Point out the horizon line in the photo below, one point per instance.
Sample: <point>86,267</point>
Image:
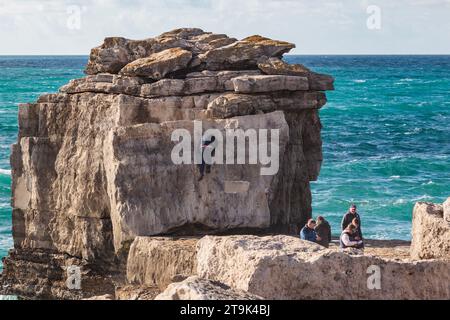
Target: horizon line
<point>287,54</point>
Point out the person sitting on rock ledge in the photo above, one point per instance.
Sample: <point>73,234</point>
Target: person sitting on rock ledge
<point>357,235</point>
<point>205,144</point>
<point>308,233</point>
<point>323,231</point>
<point>346,236</point>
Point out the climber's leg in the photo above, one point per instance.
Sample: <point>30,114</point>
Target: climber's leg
<point>201,169</point>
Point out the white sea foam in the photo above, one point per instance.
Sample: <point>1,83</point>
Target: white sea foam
<point>5,172</point>
<point>399,201</point>
<point>359,81</point>
<point>394,177</point>
<point>422,197</point>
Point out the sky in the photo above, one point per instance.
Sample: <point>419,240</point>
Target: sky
<point>30,27</point>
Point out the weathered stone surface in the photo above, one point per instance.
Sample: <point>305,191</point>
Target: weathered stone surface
<point>136,110</point>
<point>244,53</point>
<point>284,267</point>
<point>139,155</point>
<point>116,52</point>
<point>197,82</point>
<point>130,292</point>
<point>430,232</point>
<point>158,64</point>
<point>276,66</point>
<point>155,261</point>
<point>42,274</point>
<point>195,288</point>
<point>104,83</point>
<point>264,83</point>
<point>101,298</point>
<point>321,82</point>
<point>446,208</point>
<point>231,104</point>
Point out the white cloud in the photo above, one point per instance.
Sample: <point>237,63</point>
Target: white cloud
<point>320,26</point>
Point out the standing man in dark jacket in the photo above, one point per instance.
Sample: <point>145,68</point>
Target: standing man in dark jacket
<point>348,219</point>
<point>323,231</point>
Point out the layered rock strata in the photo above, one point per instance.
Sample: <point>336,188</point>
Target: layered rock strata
<point>92,167</point>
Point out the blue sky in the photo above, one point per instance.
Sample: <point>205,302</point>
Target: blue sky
<point>316,26</point>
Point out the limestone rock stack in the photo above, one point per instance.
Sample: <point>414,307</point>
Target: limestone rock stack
<point>92,167</point>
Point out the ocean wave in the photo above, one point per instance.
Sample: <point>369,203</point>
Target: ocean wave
<point>400,201</point>
<point>360,81</point>
<point>5,172</point>
<point>422,197</point>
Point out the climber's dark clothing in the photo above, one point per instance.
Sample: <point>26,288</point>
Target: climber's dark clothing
<point>204,165</point>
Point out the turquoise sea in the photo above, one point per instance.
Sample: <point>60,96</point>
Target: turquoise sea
<point>386,133</point>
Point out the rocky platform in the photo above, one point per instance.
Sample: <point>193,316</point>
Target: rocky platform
<point>92,168</point>
<point>281,267</point>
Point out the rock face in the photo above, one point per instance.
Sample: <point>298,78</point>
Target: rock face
<point>431,231</point>
<point>446,209</point>
<point>284,267</point>
<point>195,288</point>
<point>92,167</point>
<point>156,261</point>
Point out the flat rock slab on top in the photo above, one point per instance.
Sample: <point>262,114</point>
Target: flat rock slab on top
<point>158,64</point>
<point>244,53</point>
<point>269,83</point>
<point>277,66</point>
<point>209,51</point>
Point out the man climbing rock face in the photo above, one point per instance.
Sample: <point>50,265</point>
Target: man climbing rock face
<point>206,143</point>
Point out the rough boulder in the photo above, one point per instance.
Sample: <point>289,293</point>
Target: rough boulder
<point>195,288</point>
<point>431,231</point>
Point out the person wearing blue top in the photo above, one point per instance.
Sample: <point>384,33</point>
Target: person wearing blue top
<point>308,233</point>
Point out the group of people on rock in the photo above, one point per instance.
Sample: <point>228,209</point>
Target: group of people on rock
<point>320,231</point>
